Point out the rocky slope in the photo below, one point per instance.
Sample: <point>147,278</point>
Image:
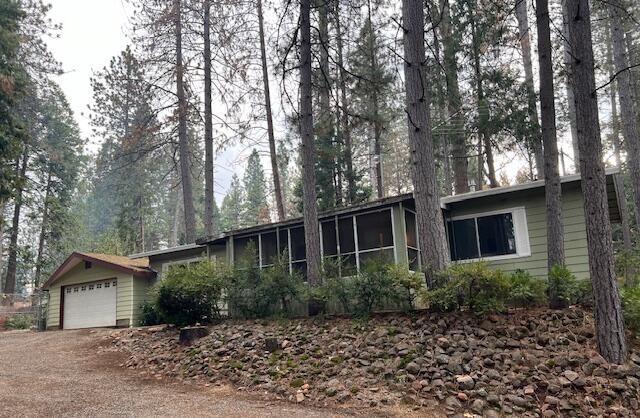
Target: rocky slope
<point>526,363</point>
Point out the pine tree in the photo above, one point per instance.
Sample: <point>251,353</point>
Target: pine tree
<point>255,185</point>
<point>232,209</point>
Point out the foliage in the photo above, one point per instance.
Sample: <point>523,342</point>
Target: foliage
<point>526,290</point>
<point>631,307</point>
<point>191,293</point>
<point>255,293</point>
<point>371,287</point>
<point>563,285</point>
<point>255,204</point>
<point>408,286</point>
<point>232,209</point>
<point>19,321</point>
<point>150,314</point>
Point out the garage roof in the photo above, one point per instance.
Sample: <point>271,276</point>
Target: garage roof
<point>138,267</point>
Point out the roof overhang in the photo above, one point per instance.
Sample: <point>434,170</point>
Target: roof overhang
<point>76,258</point>
<point>177,249</point>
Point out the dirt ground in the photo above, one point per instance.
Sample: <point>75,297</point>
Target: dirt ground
<point>61,373</point>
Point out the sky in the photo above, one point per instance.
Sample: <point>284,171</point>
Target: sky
<point>92,32</point>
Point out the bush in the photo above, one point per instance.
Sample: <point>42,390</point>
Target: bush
<point>254,293</point>
<point>192,293</point>
<point>472,285</point>
<point>371,287</point>
<point>150,314</point>
<point>526,290</point>
<point>564,288</point>
<point>19,321</point>
<point>627,263</point>
<point>631,307</point>
<point>408,286</point>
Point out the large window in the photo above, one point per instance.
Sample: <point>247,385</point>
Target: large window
<point>488,235</point>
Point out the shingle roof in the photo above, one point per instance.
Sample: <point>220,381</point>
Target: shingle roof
<point>138,267</point>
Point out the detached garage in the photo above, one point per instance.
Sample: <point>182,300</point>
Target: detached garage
<point>97,290</point>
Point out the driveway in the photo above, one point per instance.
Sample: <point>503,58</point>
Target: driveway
<point>62,373</point>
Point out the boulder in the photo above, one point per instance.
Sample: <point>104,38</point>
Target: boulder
<point>271,344</point>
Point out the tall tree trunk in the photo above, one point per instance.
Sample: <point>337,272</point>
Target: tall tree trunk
<point>552,186</point>
<point>571,104</point>
<point>627,106</point>
<point>607,310</point>
<point>12,260</point>
<point>309,198</point>
<point>347,154</point>
<point>375,103</point>
<point>175,227</point>
<point>617,149</point>
<point>43,231</point>
<point>183,142</point>
<point>454,103</point>
<point>209,194</point>
<point>525,44</point>
<point>277,186</point>
<point>482,105</point>
<point>431,235</point>
<point>141,227</point>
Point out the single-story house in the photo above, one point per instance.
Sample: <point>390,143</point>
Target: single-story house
<point>504,226</point>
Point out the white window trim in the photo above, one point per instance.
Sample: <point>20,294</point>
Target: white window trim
<point>520,232</point>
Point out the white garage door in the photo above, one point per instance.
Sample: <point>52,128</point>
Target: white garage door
<point>89,305</point>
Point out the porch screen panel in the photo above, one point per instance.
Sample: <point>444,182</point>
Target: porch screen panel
<point>245,250</point>
<point>269,242</point>
<point>374,230</point>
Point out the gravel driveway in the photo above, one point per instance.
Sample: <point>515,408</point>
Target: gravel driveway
<point>61,373</point>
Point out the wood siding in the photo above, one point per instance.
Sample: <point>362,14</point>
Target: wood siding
<point>575,236</point>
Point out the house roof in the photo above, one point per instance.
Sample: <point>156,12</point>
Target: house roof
<point>177,249</point>
<point>137,267</point>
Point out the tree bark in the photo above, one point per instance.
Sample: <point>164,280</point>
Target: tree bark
<point>2,223</point>
<point>571,104</point>
<point>209,195</point>
<point>431,235</point>
<point>553,189</point>
<point>525,44</point>
<point>183,142</point>
<point>43,231</point>
<point>375,103</point>
<point>482,106</point>
<point>277,186</point>
<point>627,106</point>
<point>12,260</point>
<point>310,204</point>
<point>609,323</point>
<point>454,103</point>
<point>347,154</point>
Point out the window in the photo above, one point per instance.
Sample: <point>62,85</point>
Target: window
<point>114,283</point>
<point>375,237</point>
<point>90,287</point>
<point>107,284</point>
<point>245,250</point>
<point>75,290</point>
<point>329,238</point>
<point>68,290</point>
<point>83,288</point>
<point>413,251</point>
<point>269,248</point>
<point>87,265</point>
<point>298,249</point>
<point>99,286</point>
<point>489,235</point>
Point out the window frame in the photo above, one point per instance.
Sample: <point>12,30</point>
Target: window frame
<point>404,231</point>
<point>520,233</point>
<point>186,261</point>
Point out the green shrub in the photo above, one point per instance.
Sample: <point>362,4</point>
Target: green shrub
<point>254,293</point>
<point>150,314</point>
<point>471,285</point>
<point>408,286</point>
<point>191,293</point>
<point>371,287</point>
<point>526,290</point>
<point>19,321</point>
<point>631,307</point>
<point>563,287</point>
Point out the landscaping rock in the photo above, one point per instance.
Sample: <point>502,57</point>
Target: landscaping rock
<point>525,363</point>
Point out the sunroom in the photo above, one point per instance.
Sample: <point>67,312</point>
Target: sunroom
<point>349,239</point>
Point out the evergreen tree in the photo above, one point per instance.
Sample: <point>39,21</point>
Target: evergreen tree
<point>233,207</point>
<point>255,185</point>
